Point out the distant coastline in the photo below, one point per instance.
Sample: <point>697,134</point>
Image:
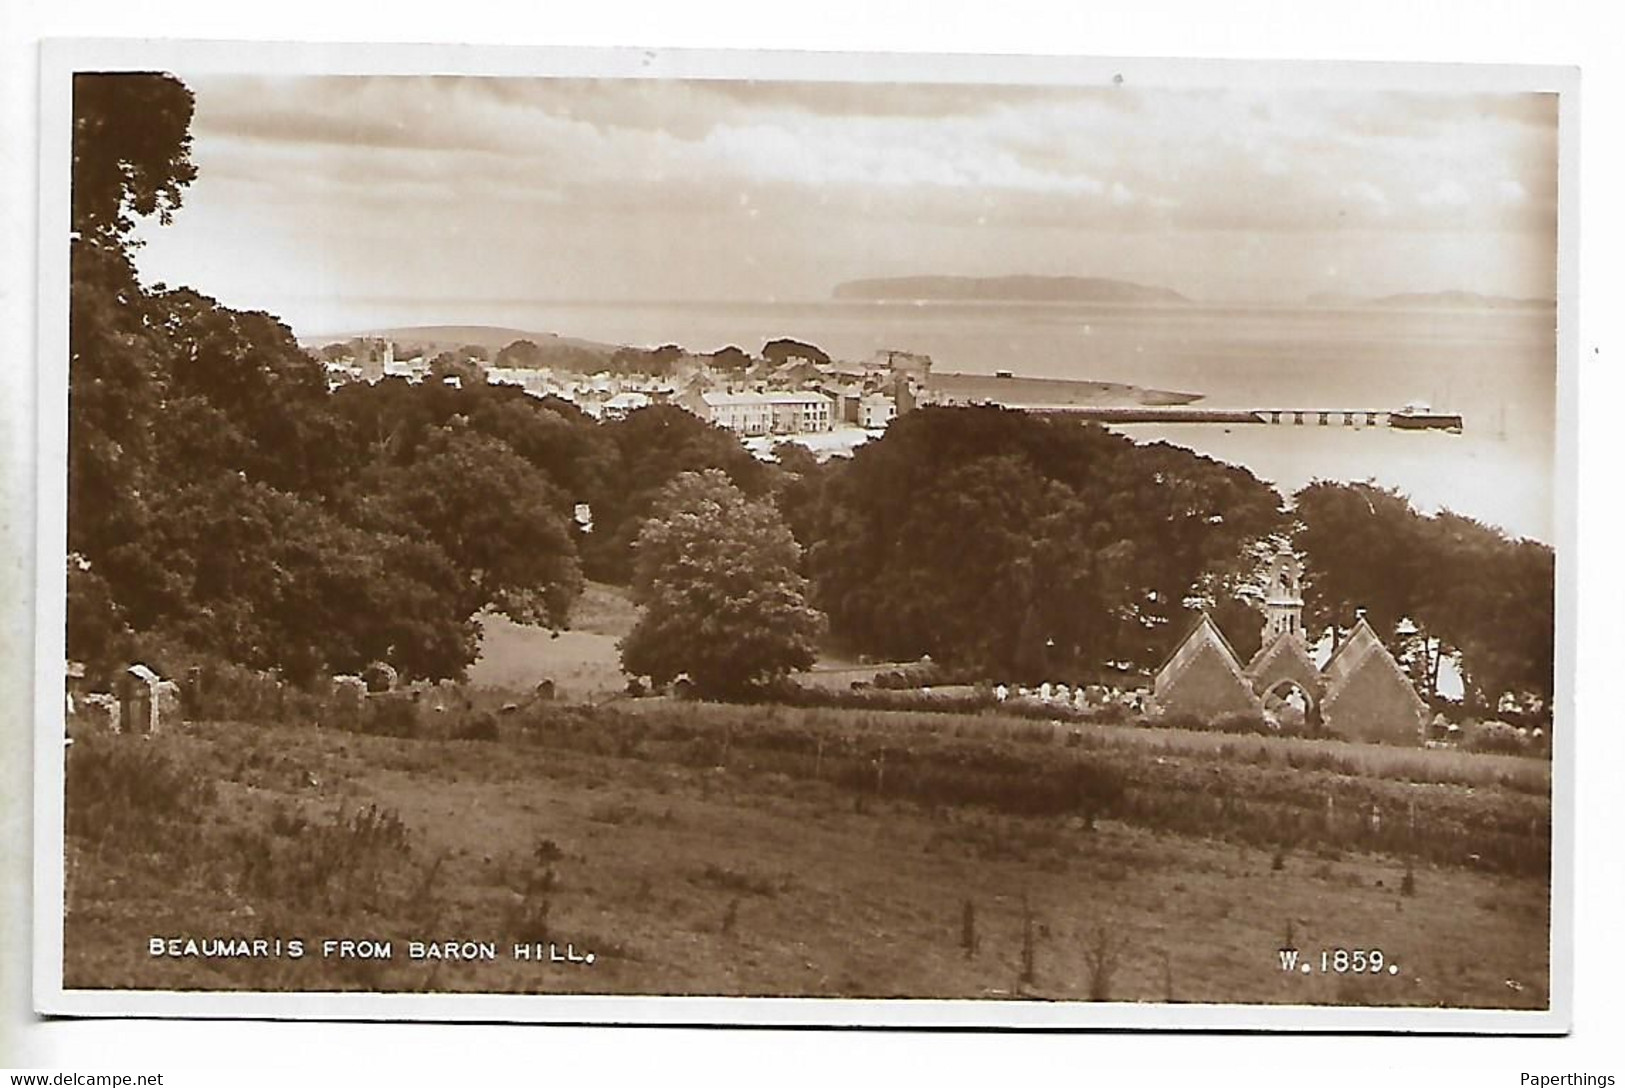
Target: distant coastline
<point>1039,393</point>
<point>940,387</point>
<point>1006,289</point>
<point>1432,300</point>
<point>449,337</point>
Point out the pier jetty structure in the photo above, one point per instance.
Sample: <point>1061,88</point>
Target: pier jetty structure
<point>1404,419</point>
<point>1116,402</point>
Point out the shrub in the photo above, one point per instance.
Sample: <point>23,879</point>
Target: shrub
<point>891,681</point>
<point>481,726</point>
<point>1109,714</point>
<point>213,689</point>
<point>1495,737</point>
<point>1247,722</point>
<point>735,880</point>
<point>337,865</point>
<point>528,920</point>
<point>537,876</point>
<point>1243,721</point>
<point>1178,720</point>
<point>391,716</point>
<point>122,789</point>
<point>885,695</point>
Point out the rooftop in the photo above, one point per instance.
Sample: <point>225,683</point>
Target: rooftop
<point>717,400</point>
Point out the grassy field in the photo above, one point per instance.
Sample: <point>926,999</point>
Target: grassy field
<point>584,665</point>
<point>583,662</point>
<point>701,849</point>
<point>1443,766</point>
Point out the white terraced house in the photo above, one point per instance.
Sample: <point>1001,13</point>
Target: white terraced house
<point>769,413</point>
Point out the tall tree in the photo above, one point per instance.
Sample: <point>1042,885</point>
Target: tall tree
<point>222,498</point>
<point>1003,541</point>
<point>131,157</point>
<point>1363,552</point>
<point>1431,586</point>
<point>1492,599</point>
<point>501,523</point>
<point>258,401</point>
<point>723,602</point>
<point>652,446</point>
<point>132,148</point>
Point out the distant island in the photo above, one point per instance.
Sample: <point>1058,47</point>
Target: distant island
<point>1433,300</point>
<point>1006,289</point>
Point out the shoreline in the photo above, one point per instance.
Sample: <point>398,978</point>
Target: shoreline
<point>1017,391</point>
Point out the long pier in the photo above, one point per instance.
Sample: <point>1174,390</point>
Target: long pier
<point>1297,417</point>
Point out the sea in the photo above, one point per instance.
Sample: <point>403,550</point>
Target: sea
<point>1497,368</point>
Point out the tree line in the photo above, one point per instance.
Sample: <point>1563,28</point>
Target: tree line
<point>223,500</point>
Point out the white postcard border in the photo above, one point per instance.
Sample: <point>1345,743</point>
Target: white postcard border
<point>60,58</point>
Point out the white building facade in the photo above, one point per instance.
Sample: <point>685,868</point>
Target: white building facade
<point>768,413</point>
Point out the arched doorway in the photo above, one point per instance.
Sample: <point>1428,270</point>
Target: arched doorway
<point>1291,705</point>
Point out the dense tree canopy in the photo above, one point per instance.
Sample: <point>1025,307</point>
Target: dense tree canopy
<point>652,447</point>
<point>556,353</point>
<point>785,349</point>
<point>1431,586</point>
<point>131,156</point>
<point>723,602</point>
<point>503,525</point>
<point>220,497</point>
<point>132,148</point>
<point>1364,551</point>
<point>1022,545</point>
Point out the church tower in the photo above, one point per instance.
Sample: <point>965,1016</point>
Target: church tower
<point>1283,597</point>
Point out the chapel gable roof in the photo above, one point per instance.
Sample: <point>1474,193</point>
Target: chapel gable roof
<point>1204,629</point>
<point>1373,655</point>
<point>1285,644</point>
<point>1361,639</point>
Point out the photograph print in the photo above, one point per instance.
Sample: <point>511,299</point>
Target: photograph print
<point>1054,542</point>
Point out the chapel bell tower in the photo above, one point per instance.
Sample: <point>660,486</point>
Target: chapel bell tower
<point>1283,597</point>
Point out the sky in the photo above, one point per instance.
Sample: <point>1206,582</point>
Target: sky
<point>317,196</point>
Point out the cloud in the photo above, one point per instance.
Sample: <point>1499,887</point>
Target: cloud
<point>1226,160</point>
<point>908,100</point>
<point>988,176</point>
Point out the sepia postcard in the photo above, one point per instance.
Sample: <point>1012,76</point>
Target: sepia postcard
<point>638,536</point>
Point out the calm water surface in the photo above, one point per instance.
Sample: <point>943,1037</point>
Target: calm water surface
<point>1496,368</point>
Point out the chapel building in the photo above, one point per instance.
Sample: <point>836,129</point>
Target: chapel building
<point>1361,693</point>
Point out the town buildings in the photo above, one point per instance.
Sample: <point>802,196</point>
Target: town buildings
<point>751,397</point>
<point>769,412</point>
<point>876,410</point>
